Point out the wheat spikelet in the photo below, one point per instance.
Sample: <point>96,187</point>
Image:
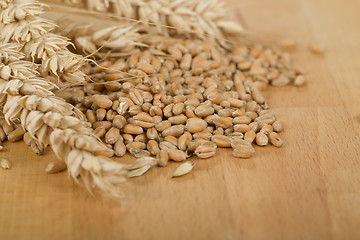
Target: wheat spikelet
<point>20,23</point>
<point>50,120</point>
<point>196,17</point>
<point>121,38</point>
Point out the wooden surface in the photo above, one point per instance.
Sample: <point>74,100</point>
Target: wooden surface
<point>309,189</point>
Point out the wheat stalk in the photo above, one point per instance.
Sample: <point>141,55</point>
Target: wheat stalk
<point>50,120</point>
<point>197,17</point>
<point>20,23</point>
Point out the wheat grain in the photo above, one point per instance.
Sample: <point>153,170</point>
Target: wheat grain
<point>5,163</point>
<point>183,169</point>
<point>55,167</point>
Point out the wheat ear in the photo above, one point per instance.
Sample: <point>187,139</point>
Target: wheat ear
<point>20,23</point>
<point>199,17</point>
<point>120,38</point>
<point>50,121</point>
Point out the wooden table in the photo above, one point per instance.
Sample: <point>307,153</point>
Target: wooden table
<point>309,189</point>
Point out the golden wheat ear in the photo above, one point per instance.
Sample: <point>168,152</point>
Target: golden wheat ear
<point>108,41</point>
<point>20,22</point>
<point>50,121</point>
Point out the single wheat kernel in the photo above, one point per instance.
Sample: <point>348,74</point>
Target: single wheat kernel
<point>132,129</point>
<point>242,120</point>
<point>171,139</point>
<point>195,143</point>
<point>136,145</point>
<point>167,146</point>
<point>141,138</point>
<point>179,99</point>
<point>281,81</point>
<point>176,131</point>
<point>128,138</point>
<point>206,150</point>
<point>110,114</point>
<point>224,122</point>
<point>275,139</point>
<point>278,126</point>
<point>112,136</point>
<point>37,148</point>
<point>267,118</point>
<point>163,158</point>
<point>138,153</point>
<point>155,110</point>
<point>238,141</point>
<point>243,152</point>
<point>28,139</point>
<point>315,48</point>
<point>175,52</point>
<point>7,128</point>
<point>189,112</point>
<point>147,68</point>
<point>119,148</point>
<point>242,128</point>
<point>218,131</point>
<point>178,108</point>
<point>157,119</point>
<point>134,110</point>
<point>90,115</point>
<point>252,115</point>
<point>167,111</point>
<point>152,134</point>
<point>221,141</point>
<point>5,163</point>
<point>226,112</point>
<point>177,155</point>
<point>178,119</point>
<point>106,124</point>
<point>183,169</point>
<point>103,101</point>
<point>2,134</point>
<point>204,110</point>
<point>55,167</point>
<point>135,96</point>
<point>184,140</point>
<point>16,135</point>
<point>163,125</point>
<point>185,62</point>
<point>257,95</point>
<point>194,125</point>
<point>100,114</point>
<point>300,81</point>
<point>250,136</point>
<point>192,102</point>
<point>267,129</point>
<point>288,44</point>
<point>100,131</point>
<point>142,124</point>
<point>261,139</point>
<point>153,147</point>
<point>119,121</point>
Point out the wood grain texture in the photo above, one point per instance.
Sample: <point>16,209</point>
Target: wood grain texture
<point>309,189</point>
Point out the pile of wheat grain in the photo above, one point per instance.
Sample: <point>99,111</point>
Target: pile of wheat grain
<point>173,98</point>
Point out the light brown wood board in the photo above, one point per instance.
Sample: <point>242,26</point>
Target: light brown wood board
<point>309,189</point>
